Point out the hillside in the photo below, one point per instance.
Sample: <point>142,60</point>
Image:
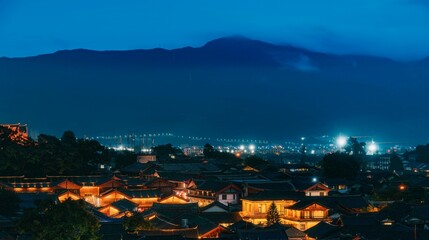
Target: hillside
<point>228,87</point>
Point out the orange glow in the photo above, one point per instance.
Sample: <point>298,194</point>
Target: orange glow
<point>45,189</point>
<point>402,187</point>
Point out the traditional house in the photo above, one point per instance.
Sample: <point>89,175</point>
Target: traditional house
<point>322,230</point>
<point>216,232</point>
<point>68,194</point>
<point>145,198</point>
<point>173,199</point>
<point>210,191</point>
<point>110,196</point>
<point>119,208</point>
<point>255,207</point>
<point>339,185</point>
<point>306,214</point>
<point>317,190</point>
<point>260,186</point>
<point>163,185</point>
<point>66,184</point>
<point>143,170</point>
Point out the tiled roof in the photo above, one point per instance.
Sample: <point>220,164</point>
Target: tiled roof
<point>188,167</point>
<point>222,217</point>
<point>321,230</point>
<point>275,195</point>
<point>173,176</point>
<point>203,225</point>
<point>28,200</point>
<point>241,225</point>
<point>308,202</point>
<point>173,210</point>
<point>293,232</point>
<point>169,234</point>
<point>257,234</point>
<point>124,205</point>
<point>273,185</point>
<point>213,186</point>
<point>144,193</point>
<point>366,219</point>
<point>343,203</point>
<point>215,204</point>
<point>136,167</point>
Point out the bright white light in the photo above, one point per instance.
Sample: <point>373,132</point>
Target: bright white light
<point>314,179</point>
<point>372,147</point>
<point>312,151</point>
<point>341,141</point>
<point>252,147</point>
<point>303,138</point>
<point>241,147</point>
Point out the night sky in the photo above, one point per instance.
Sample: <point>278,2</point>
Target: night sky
<point>269,92</point>
<point>394,28</point>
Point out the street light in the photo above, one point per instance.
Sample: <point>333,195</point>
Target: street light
<point>372,147</point>
<point>341,141</point>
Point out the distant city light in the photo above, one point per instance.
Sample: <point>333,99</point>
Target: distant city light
<point>314,179</point>
<point>252,147</point>
<point>313,152</point>
<point>341,141</point>
<point>372,147</point>
<point>241,147</point>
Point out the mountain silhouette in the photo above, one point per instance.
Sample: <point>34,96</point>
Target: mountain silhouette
<point>230,87</point>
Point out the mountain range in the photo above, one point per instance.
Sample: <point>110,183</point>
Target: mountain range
<point>230,87</point>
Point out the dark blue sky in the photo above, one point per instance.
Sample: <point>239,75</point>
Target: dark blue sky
<point>393,28</point>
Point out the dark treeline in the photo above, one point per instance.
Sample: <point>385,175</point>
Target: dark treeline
<point>52,156</point>
<point>421,152</point>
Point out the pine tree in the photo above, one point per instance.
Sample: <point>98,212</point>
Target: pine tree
<point>272,215</point>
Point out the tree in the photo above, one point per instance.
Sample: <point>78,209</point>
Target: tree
<point>340,165</point>
<point>273,215</point>
<point>355,148</point>
<point>208,150</point>
<point>165,152</point>
<point>422,153</point>
<point>67,220</point>
<point>136,222</point>
<point>395,163</point>
<point>68,138</point>
<point>303,152</point>
<point>9,202</point>
<point>254,161</point>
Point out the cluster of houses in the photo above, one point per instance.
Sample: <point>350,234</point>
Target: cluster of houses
<point>194,200</point>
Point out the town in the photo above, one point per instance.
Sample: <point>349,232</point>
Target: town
<point>49,185</point>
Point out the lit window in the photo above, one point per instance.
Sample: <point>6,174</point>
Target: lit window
<point>262,208</point>
<point>306,214</point>
<point>318,214</point>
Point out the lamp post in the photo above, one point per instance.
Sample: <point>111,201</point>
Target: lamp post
<point>341,142</point>
<point>414,221</point>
